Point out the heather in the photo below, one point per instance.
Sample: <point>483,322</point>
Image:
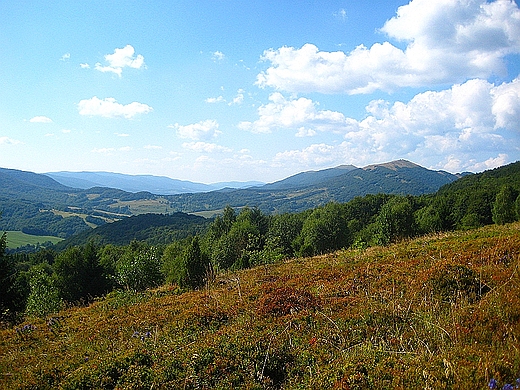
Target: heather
<point>439,311</point>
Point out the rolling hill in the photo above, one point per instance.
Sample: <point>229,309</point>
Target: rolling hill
<point>310,189</point>
<point>438,312</point>
<point>158,185</point>
<point>37,204</point>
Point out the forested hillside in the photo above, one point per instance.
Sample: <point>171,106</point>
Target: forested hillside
<point>149,250</point>
<point>36,204</point>
<point>154,229</point>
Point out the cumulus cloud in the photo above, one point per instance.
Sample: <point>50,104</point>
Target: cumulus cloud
<point>445,42</point>
<point>198,131</point>
<point>121,58</point>
<point>295,114</point>
<point>110,108</point>
<point>205,147</point>
<point>40,119</point>
<point>471,126</point>
<point>313,155</point>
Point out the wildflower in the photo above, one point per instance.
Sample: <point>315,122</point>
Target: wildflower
<point>136,334</point>
<point>508,386</point>
<point>492,383</point>
<point>517,383</point>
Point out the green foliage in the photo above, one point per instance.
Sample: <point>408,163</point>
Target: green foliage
<point>395,220</point>
<point>139,267</point>
<point>238,239</point>
<point>283,231</point>
<point>193,266</point>
<point>44,297</point>
<point>79,274</point>
<point>504,205</point>
<point>324,230</point>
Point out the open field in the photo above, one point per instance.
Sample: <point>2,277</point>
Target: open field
<point>437,312</point>
<point>16,239</point>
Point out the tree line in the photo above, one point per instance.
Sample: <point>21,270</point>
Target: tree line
<point>42,282</point>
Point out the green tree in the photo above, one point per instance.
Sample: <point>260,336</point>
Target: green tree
<point>79,275</point>
<point>504,206</point>
<point>193,266</point>
<point>44,297</point>
<point>7,276</point>
<point>139,268</point>
<point>324,230</point>
<point>245,238</point>
<point>283,231</point>
<point>395,220</point>
<point>171,260</point>
<point>435,216</point>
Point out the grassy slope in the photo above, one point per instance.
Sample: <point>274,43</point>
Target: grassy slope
<point>16,239</point>
<point>382,318</point>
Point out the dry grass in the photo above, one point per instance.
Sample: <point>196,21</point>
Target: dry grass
<point>438,312</point>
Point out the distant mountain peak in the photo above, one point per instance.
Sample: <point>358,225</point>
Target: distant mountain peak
<point>394,165</point>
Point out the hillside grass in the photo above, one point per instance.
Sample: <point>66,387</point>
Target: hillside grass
<point>437,312</point>
<point>16,239</point>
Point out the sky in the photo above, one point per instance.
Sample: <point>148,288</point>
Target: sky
<point>239,90</point>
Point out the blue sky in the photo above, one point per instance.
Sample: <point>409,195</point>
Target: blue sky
<point>225,90</point>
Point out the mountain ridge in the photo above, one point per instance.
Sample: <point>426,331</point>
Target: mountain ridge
<point>38,203</point>
<point>157,185</point>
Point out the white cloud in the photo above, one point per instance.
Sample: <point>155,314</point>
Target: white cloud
<point>198,131</point>
<point>205,147</point>
<point>215,100</point>
<point>84,66</point>
<point>506,105</point>
<point>471,126</point>
<point>218,56</point>
<point>121,58</point>
<point>9,141</point>
<point>110,108</point>
<point>282,113</point>
<point>122,134</point>
<point>65,57</point>
<point>446,42</point>
<point>239,98</point>
<point>40,119</point>
<point>313,155</point>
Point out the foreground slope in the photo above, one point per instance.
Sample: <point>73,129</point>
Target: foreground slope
<point>436,312</point>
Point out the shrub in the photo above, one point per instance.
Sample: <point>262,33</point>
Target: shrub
<point>286,300</point>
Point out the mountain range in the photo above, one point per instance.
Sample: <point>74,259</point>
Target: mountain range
<point>65,203</point>
<point>158,185</point>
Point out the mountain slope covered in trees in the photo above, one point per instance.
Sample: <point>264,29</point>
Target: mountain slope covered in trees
<point>37,204</point>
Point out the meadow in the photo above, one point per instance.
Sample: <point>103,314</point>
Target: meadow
<point>436,312</point>
<point>18,239</point>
